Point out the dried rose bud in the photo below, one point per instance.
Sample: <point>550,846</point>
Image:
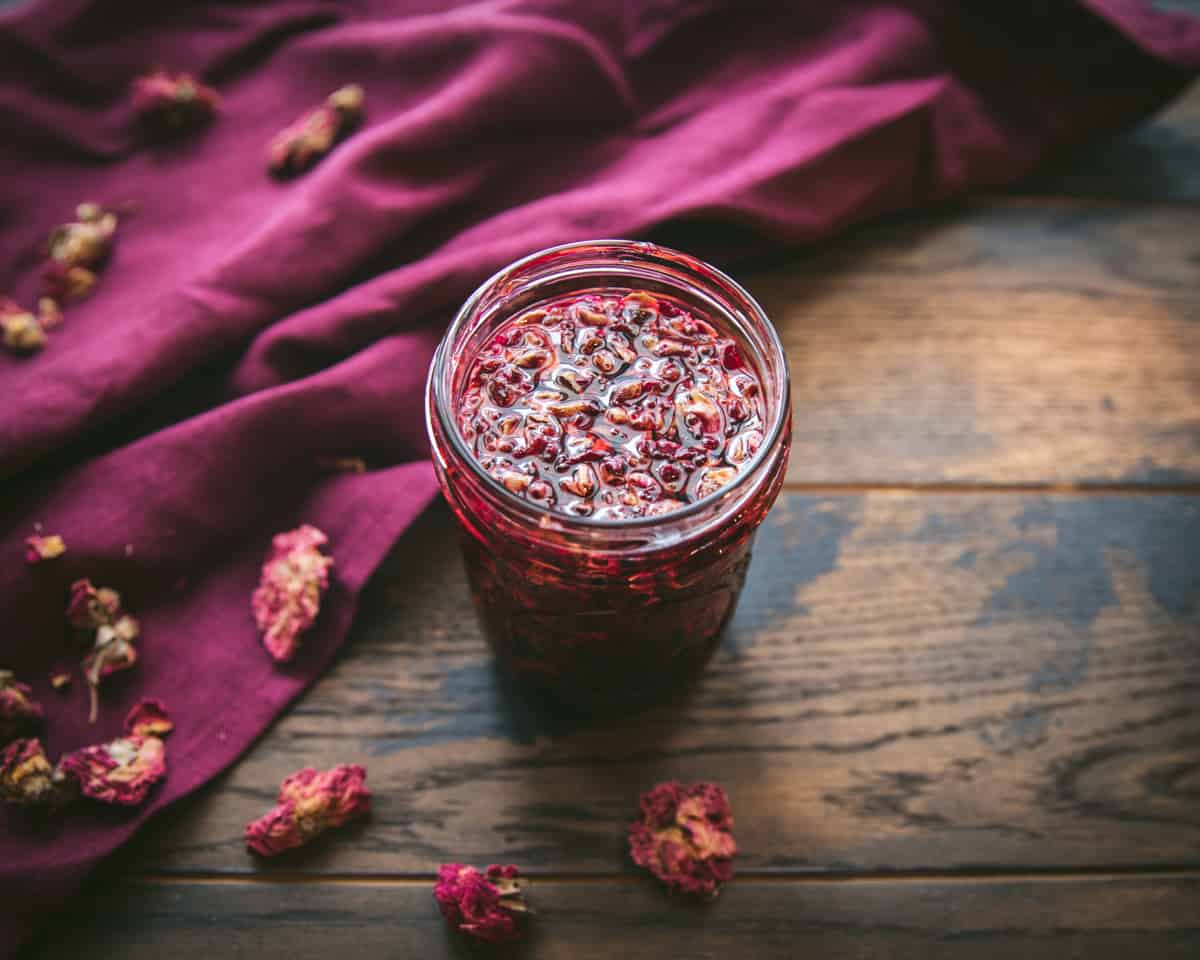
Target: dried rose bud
<point>85,241</point>
<point>113,652</point>
<point>685,837</point>
<point>121,771</point>
<point>168,103</point>
<point>18,710</point>
<point>90,607</point>
<point>65,283</point>
<point>310,803</point>
<point>300,146</point>
<point>21,331</point>
<point>39,548</point>
<point>288,597</point>
<point>149,719</point>
<point>49,313</point>
<point>28,780</point>
<point>487,906</point>
<point>60,681</point>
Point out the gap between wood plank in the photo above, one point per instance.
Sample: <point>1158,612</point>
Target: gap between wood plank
<point>1049,489</point>
<point>966,875</point>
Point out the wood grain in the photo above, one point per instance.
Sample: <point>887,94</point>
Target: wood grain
<point>997,343</point>
<point>912,682</point>
<point>1037,919</point>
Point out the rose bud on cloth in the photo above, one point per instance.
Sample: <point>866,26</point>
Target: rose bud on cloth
<point>169,104</point>
<point>28,780</point>
<point>99,609</point>
<point>19,328</point>
<point>77,251</point>
<point>487,905</point>
<point>18,710</point>
<point>121,771</point>
<point>288,597</point>
<point>309,803</point>
<point>299,147</point>
<point>685,837</point>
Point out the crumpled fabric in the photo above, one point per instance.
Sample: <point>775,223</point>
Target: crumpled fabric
<point>244,330</point>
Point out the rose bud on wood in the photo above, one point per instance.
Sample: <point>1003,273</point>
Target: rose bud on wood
<point>309,803</point>
<point>487,905</point>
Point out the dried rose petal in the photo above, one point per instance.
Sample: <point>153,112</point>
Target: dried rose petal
<point>18,709</point>
<point>487,906</point>
<point>309,803</point>
<point>20,330</point>
<point>121,771</point>
<point>168,103</point>
<point>149,719</point>
<point>113,652</point>
<point>685,837</point>
<point>99,609</point>
<point>27,779</point>
<point>39,548</point>
<point>91,607</point>
<point>288,597</point>
<point>60,681</point>
<point>306,141</point>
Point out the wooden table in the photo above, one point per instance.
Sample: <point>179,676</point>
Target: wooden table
<point>958,712</point>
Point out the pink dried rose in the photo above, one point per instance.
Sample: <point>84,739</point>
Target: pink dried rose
<point>18,710</point>
<point>168,104</point>
<point>77,250</point>
<point>300,146</point>
<point>39,548</point>
<point>288,597</point>
<point>28,780</point>
<point>487,906</point>
<point>121,771</point>
<point>149,718</point>
<point>309,803</point>
<point>19,328</point>
<point>99,609</point>
<point>685,837</point>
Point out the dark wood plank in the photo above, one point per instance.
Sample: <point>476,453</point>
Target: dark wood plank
<point>1040,919</point>
<point>1155,160</point>
<point>1001,343</point>
<point>912,682</point>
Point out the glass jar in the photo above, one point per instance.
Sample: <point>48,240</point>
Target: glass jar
<point>603,612</point>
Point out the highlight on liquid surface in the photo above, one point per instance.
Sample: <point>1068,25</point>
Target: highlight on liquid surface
<point>612,404</point>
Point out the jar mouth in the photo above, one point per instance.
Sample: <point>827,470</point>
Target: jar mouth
<point>673,266</point>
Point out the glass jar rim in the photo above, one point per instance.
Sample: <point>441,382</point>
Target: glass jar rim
<point>439,404</point>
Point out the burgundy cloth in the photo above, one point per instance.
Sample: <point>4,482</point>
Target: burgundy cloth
<point>245,329</point>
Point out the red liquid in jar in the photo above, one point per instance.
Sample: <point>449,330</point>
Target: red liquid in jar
<point>610,404</point>
<point>613,405</point>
